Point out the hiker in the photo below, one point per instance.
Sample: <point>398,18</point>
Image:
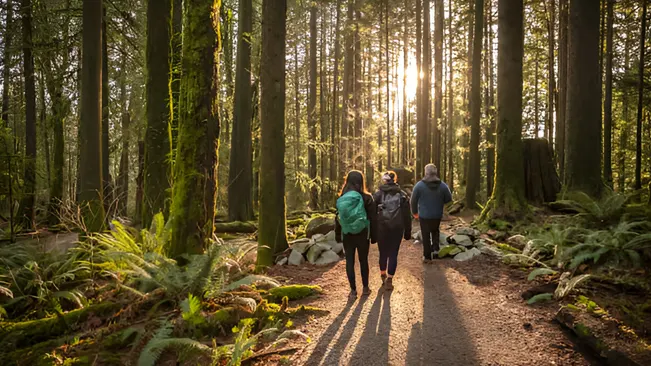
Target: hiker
<point>354,226</point>
<point>427,201</point>
<point>393,224</point>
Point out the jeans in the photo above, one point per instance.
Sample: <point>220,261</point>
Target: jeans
<point>389,245</point>
<point>360,243</point>
<point>430,230</point>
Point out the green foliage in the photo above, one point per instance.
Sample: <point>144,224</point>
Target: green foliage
<point>293,292</point>
<point>540,298</point>
<point>507,248</point>
<point>162,340</point>
<point>568,283</point>
<point>596,213</point>
<point>191,311</point>
<point>540,272</point>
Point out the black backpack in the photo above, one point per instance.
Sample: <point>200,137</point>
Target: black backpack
<point>389,211</point>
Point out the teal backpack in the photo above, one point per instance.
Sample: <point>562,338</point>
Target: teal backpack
<point>352,213</point>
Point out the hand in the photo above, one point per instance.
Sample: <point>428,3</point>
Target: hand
<point>416,216</point>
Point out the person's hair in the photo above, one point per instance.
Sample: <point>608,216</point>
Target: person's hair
<point>355,181</point>
<point>392,174</point>
<point>431,169</point>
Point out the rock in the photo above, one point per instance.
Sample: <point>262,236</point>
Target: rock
<point>296,258</point>
<point>468,231</point>
<point>467,255</point>
<point>338,248</point>
<point>489,250</point>
<point>330,236</point>
<point>450,251</point>
<point>480,243</point>
<point>327,257</point>
<point>463,240</point>
<point>282,261</point>
<point>246,302</point>
<point>456,207</point>
<point>517,241</point>
<point>319,225</point>
<point>443,238</point>
<point>302,245</point>
<point>315,252</point>
<point>318,237</point>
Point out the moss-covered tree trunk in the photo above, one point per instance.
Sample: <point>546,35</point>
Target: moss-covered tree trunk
<point>489,97</point>
<point>583,158</point>
<point>508,198</point>
<point>311,111</point>
<point>194,194</point>
<point>157,167</point>
<point>27,203</point>
<point>106,177</point>
<point>474,163</point>
<point>240,180</point>
<point>175,78</point>
<point>90,143</point>
<point>272,232</point>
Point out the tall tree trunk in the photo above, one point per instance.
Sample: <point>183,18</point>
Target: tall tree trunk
<point>465,137</point>
<point>43,125</point>
<point>608,102</point>
<point>474,168</point>
<point>438,82</point>
<point>357,88</point>
<point>562,87</point>
<point>297,113</point>
<point>536,107</point>
<point>323,117</point>
<point>175,77</point>
<point>311,111</point>
<point>157,169</point>
<point>123,176</point>
<point>583,159</point>
<point>227,45</point>
<point>388,85</point>
<point>90,144</point>
<point>640,101</point>
<point>6,62</point>
<point>508,199</point>
<point>346,114</point>
<point>106,177</point>
<point>426,100</point>
<point>451,124</point>
<point>490,103</point>
<point>272,226</point>
<point>29,189</point>
<point>240,180</point>
<point>195,184</point>
<point>404,155</point>
<point>421,161</point>
<point>551,78</point>
<point>624,126</point>
<point>336,109</point>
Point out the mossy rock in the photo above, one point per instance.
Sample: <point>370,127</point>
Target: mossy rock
<point>293,292</point>
<point>507,248</point>
<point>308,311</point>
<point>450,251</point>
<point>320,225</point>
<point>24,334</point>
<point>296,222</point>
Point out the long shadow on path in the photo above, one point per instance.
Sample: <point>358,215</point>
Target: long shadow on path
<point>441,338</point>
<point>373,345</point>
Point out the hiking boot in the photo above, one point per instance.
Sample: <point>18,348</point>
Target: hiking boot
<point>383,277</point>
<point>435,254</point>
<point>366,291</point>
<point>388,285</point>
<point>353,294</point>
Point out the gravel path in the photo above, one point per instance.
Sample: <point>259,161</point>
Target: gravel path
<point>445,313</point>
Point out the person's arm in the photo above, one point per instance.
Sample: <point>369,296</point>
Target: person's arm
<point>338,235</point>
<point>406,217</point>
<point>371,214</point>
<point>415,195</point>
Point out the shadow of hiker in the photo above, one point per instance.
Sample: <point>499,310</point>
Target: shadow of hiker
<point>324,346</point>
<point>441,338</point>
<point>374,341</point>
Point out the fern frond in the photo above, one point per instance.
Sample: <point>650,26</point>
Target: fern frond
<point>566,284</point>
<point>540,272</point>
<point>155,348</point>
<point>540,298</point>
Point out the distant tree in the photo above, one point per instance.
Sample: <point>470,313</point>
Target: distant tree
<point>474,167</point>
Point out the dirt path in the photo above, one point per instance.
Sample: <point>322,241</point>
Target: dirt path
<point>445,313</point>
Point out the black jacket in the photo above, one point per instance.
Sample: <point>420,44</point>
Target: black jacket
<point>394,188</point>
<point>371,214</point>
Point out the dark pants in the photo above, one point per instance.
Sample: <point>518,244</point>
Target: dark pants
<point>360,243</point>
<point>430,230</point>
<point>389,245</point>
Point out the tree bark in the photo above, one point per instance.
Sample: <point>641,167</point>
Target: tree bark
<point>335,136</point>
<point>438,82</point>
<point>311,111</point>
<point>90,154</point>
<point>106,177</point>
<point>123,177</point>
<point>420,159</point>
<point>240,180</point>
<point>29,180</point>
<point>157,169</point>
<point>640,101</point>
<point>624,126</point>
<point>508,199</point>
<point>272,233</point>
<point>346,114</point>
<point>474,168</point>
<point>562,87</point>
<point>583,159</point>
<point>6,62</point>
<point>451,119</point>
<point>426,99</point>
<point>490,104</point>
<point>608,102</point>
<point>551,78</point>
<point>404,153</point>
<point>195,184</point>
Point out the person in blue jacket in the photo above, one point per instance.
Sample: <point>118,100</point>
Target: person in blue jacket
<point>427,201</point>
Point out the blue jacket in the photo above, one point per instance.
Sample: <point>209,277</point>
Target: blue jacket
<point>429,197</point>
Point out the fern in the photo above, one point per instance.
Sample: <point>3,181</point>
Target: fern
<point>540,298</point>
<point>597,213</point>
<point>540,272</point>
<point>191,310</point>
<point>567,284</point>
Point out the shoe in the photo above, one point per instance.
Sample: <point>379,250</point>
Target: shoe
<point>353,294</point>
<point>388,285</point>
<point>435,254</point>
<point>384,278</point>
<point>366,291</point>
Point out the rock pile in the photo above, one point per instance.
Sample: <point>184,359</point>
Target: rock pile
<point>320,249</point>
<point>464,244</point>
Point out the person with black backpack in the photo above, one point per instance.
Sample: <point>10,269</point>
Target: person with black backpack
<point>393,224</point>
<point>355,226</point>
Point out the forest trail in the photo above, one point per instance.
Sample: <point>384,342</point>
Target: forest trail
<point>445,313</point>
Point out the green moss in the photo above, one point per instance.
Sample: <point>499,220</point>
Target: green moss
<point>500,225</point>
<point>581,330</point>
<point>507,248</point>
<point>225,316</point>
<point>293,292</point>
<point>77,361</point>
<point>296,222</point>
<point>34,355</point>
<point>308,310</point>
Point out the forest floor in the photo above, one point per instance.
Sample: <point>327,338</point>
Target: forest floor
<point>443,313</point>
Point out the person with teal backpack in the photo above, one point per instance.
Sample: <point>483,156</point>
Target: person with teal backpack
<point>354,226</point>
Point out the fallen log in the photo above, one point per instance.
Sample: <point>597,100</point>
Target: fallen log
<point>236,227</point>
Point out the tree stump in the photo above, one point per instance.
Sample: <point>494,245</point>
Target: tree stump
<point>542,183</point>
